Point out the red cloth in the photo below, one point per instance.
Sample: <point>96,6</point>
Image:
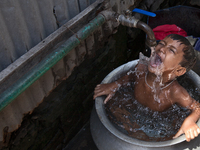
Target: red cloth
<point>162,31</point>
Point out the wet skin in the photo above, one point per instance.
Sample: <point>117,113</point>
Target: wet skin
<point>165,62</point>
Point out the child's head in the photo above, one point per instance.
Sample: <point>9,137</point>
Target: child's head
<point>189,57</point>
<point>173,55</point>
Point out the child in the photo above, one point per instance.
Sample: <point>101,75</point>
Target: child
<point>155,81</point>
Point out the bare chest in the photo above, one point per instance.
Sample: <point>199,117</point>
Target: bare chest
<point>157,100</point>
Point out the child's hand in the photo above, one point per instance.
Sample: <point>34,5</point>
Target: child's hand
<point>105,89</point>
<point>190,128</point>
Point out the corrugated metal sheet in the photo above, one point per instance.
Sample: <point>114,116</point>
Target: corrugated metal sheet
<point>11,116</point>
<point>24,23</point>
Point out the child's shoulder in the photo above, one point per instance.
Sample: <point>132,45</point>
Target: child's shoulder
<point>177,88</point>
<point>179,93</point>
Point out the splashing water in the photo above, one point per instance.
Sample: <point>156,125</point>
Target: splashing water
<point>145,60</point>
<point>139,121</point>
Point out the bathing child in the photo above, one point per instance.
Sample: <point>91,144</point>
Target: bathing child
<point>156,86</point>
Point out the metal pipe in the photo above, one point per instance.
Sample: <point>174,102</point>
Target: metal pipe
<point>151,40</point>
<point>135,23</point>
<point>128,21</point>
<point>23,83</point>
<point>110,15</point>
<point>49,61</point>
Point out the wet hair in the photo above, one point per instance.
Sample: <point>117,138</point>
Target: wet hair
<point>189,56</point>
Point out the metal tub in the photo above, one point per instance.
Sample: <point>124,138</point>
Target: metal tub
<point>107,137</point>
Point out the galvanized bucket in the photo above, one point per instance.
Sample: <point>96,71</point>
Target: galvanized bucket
<point>107,137</point>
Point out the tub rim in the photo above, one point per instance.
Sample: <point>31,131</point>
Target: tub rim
<point>99,106</point>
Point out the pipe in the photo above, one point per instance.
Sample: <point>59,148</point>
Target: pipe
<point>135,23</point>
<point>110,15</point>
<point>151,40</point>
<point>49,61</point>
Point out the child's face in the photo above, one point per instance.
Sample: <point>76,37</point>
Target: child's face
<point>167,56</point>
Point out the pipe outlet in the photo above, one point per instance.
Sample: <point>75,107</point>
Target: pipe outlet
<point>128,21</point>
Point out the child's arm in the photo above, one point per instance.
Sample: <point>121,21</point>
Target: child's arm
<point>110,88</point>
<point>189,126</point>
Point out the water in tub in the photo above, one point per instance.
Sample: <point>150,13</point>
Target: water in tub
<point>140,122</point>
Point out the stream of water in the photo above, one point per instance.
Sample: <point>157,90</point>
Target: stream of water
<point>140,122</point>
